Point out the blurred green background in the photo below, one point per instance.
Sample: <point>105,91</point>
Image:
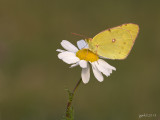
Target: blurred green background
<point>33,80</point>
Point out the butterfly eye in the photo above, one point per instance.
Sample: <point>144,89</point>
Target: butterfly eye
<point>90,39</point>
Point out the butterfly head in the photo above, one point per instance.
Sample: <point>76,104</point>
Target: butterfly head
<point>88,40</point>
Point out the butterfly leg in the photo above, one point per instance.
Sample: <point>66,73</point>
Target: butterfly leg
<point>96,50</point>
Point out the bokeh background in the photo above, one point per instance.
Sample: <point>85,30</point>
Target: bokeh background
<point>33,80</point>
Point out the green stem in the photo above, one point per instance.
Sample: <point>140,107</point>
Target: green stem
<point>71,94</point>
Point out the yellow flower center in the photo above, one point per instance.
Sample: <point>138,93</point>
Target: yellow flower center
<point>86,54</point>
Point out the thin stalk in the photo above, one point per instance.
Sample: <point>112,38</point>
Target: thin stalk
<point>71,94</point>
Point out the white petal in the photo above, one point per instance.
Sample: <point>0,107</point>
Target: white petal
<point>85,74</point>
<point>59,50</point>
<point>68,57</point>
<point>97,73</point>
<point>71,60</point>
<point>66,54</point>
<point>102,69</point>
<point>82,44</point>
<point>83,63</point>
<point>93,64</point>
<point>74,65</point>
<point>105,64</point>
<point>69,46</point>
<point>110,71</point>
<point>103,57</point>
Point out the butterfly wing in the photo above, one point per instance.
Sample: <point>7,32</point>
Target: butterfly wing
<point>115,43</point>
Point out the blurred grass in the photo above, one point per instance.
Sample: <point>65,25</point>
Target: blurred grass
<point>33,80</point>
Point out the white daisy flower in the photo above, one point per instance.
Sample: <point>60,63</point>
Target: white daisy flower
<point>83,57</point>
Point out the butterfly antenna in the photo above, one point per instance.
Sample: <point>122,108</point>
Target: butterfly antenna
<point>79,35</point>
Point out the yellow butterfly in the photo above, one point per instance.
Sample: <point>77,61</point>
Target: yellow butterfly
<point>114,43</point>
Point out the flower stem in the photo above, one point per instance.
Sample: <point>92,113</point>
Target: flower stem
<point>71,94</point>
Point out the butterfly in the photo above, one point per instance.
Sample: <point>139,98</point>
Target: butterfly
<point>114,43</point>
